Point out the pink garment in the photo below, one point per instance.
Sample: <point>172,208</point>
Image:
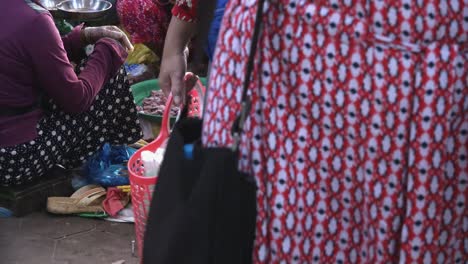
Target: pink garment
<point>145,20</point>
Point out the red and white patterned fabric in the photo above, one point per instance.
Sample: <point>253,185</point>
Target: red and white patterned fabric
<point>185,10</point>
<point>358,133</point>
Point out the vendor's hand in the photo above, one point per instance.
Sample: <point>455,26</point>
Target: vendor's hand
<point>172,73</point>
<point>91,35</point>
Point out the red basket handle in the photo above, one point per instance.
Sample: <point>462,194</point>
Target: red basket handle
<point>166,124</point>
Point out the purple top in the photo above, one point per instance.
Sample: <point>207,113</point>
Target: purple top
<point>34,60</point>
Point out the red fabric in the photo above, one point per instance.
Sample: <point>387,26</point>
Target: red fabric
<point>147,21</point>
<point>359,147</point>
<point>113,202</point>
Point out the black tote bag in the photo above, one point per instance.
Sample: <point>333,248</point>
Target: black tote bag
<point>203,209</point>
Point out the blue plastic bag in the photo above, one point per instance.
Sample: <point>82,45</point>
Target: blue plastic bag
<point>214,28</point>
<point>108,167</point>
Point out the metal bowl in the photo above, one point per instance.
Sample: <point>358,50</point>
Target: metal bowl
<point>51,5</point>
<point>84,10</point>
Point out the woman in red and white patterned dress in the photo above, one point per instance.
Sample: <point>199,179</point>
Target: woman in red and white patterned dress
<point>358,133</point>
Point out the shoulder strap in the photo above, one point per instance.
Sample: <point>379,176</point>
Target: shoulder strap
<point>253,49</point>
<point>238,125</point>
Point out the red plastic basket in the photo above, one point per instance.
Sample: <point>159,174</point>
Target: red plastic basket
<point>142,187</point>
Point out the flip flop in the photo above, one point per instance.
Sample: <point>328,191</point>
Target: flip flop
<point>87,199</point>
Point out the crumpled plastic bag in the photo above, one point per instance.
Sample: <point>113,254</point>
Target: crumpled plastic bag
<point>108,167</point>
<point>115,201</point>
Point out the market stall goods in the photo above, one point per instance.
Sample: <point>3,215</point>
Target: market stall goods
<point>154,104</point>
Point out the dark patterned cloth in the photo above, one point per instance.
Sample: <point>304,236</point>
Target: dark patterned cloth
<point>69,139</point>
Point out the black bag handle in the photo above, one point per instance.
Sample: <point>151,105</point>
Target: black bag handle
<point>246,104</point>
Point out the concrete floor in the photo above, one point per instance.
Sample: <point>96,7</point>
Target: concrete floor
<point>41,238</point>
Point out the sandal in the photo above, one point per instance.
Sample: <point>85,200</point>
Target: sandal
<point>87,199</point>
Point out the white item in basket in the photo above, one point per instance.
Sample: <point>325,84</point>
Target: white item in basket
<point>160,155</point>
<point>149,162</point>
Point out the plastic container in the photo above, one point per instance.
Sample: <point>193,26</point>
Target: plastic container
<point>142,186</point>
<point>151,124</point>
